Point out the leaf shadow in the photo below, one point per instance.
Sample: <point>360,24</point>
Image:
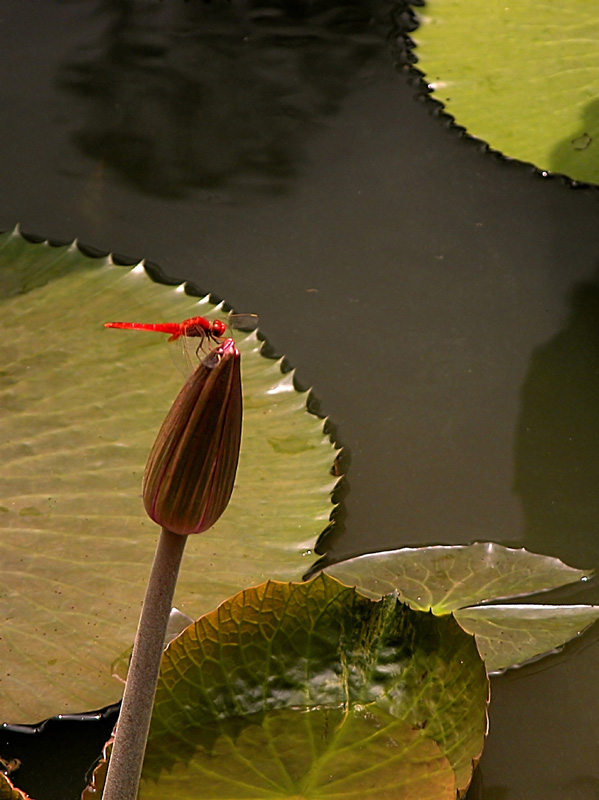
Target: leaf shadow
<point>577,156</point>
<point>557,437</point>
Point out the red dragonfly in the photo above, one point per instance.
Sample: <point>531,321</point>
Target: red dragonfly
<point>194,328</point>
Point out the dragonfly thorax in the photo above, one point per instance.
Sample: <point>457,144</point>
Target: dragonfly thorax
<point>201,327</point>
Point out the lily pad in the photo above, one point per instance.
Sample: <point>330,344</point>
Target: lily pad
<point>443,578</point>
<point>311,690</point>
<point>81,406</point>
<point>507,635</point>
<point>448,579</point>
<point>523,77</point>
<point>321,753</point>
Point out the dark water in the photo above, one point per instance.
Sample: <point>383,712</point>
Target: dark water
<point>443,303</point>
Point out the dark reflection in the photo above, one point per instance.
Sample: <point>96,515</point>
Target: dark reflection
<point>478,791</point>
<point>496,793</point>
<point>476,788</point>
<point>557,438</point>
<point>578,155</point>
<point>180,95</point>
<point>583,787</point>
<point>56,756</point>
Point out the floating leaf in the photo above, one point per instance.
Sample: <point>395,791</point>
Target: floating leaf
<point>328,753</point>
<point>81,406</point>
<point>523,77</point>
<point>365,754</point>
<point>508,635</point>
<point>312,690</point>
<point>449,579</point>
<point>443,578</point>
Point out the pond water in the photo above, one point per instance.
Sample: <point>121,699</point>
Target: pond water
<point>443,302</point>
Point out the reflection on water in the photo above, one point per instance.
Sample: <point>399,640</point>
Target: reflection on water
<point>584,787</point>
<point>180,95</point>
<point>557,438</point>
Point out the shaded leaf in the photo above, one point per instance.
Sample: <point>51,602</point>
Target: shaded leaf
<point>10,792</point>
<point>322,753</point>
<point>311,690</point>
<point>21,275</point>
<point>509,635</point>
<point>444,578</point>
<point>317,753</point>
<point>323,645</point>
<point>530,89</point>
<point>81,406</point>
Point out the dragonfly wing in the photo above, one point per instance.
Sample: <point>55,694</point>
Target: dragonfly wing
<point>189,351</point>
<point>186,352</point>
<point>243,322</point>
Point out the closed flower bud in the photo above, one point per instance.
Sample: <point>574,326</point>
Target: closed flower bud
<point>191,469</point>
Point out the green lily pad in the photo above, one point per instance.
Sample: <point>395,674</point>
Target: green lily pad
<point>443,578</point>
<point>321,753</point>
<point>508,635</point>
<point>523,77</point>
<point>81,406</point>
<point>448,579</point>
<point>312,690</point>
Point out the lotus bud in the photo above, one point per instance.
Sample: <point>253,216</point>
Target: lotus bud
<point>191,469</point>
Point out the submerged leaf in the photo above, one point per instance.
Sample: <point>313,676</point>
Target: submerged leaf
<point>311,690</point>
<point>81,406</point>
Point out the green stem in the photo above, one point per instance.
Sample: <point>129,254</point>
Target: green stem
<point>124,769</point>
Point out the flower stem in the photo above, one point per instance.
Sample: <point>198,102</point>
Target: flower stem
<point>124,769</point>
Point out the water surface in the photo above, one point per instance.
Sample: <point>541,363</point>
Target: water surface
<point>442,303</point>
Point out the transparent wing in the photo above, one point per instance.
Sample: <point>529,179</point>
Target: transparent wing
<point>246,323</point>
<point>188,351</point>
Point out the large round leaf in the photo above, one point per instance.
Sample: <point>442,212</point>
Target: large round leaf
<point>81,406</point>
<point>523,77</point>
<point>311,690</point>
<point>321,753</point>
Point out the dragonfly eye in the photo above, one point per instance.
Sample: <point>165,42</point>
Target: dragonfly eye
<point>218,328</point>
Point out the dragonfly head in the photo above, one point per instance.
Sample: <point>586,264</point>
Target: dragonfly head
<point>217,328</point>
